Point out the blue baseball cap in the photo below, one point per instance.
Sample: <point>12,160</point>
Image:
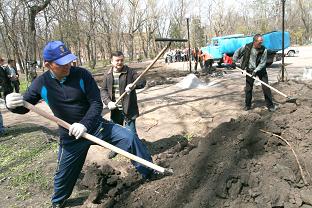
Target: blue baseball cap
<point>57,52</point>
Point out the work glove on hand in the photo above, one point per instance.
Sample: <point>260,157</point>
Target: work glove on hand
<point>254,73</point>
<point>111,105</point>
<point>77,130</point>
<point>129,87</point>
<point>14,100</point>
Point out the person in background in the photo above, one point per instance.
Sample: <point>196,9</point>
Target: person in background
<point>116,81</point>
<point>253,59</point>
<point>197,58</point>
<point>73,96</point>
<point>5,83</point>
<point>207,62</point>
<point>33,71</point>
<point>227,60</point>
<point>2,129</point>
<point>13,75</point>
<point>74,63</point>
<point>5,88</point>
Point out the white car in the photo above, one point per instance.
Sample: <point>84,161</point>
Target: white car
<point>290,51</point>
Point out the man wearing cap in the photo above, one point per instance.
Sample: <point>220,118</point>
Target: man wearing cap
<point>73,96</point>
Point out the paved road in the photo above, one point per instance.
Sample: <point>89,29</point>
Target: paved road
<point>295,66</point>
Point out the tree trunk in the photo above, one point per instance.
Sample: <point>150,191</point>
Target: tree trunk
<point>32,13</point>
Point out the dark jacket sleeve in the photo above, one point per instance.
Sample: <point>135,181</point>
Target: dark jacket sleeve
<point>94,99</point>
<point>15,69</point>
<point>106,96</point>
<point>7,71</point>
<point>238,54</point>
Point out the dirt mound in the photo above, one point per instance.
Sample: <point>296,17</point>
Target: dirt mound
<point>191,81</point>
<point>108,187</point>
<point>236,165</point>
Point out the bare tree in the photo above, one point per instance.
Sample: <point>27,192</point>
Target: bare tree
<point>94,28</point>
<point>13,14</point>
<point>136,20</point>
<point>305,15</point>
<point>34,7</point>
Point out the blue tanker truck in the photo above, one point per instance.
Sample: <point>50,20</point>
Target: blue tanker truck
<point>229,44</point>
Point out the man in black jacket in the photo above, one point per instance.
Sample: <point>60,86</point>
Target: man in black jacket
<point>253,59</point>
<point>5,83</point>
<point>13,75</point>
<point>3,88</point>
<point>116,81</point>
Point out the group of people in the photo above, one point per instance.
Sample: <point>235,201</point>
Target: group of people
<point>73,96</point>
<point>204,59</point>
<point>177,55</point>
<point>197,56</point>
<point>9,81</point>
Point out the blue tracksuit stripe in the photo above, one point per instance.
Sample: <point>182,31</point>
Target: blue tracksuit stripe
<point>44,94</point>
<point>82,86</point>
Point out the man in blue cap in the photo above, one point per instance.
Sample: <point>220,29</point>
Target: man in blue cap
<point>73,96</point>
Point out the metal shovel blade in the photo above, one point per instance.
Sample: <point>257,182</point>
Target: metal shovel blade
<point>291,99</point>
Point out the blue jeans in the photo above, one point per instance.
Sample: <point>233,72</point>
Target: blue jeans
<point>118,117</point>
<point>2,129</point>
<point>72,155</point>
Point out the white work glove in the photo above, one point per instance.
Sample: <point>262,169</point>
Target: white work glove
<point>129,87</point>
<point>111,105</point>
<point>14,100</point>
<point>77,130</point>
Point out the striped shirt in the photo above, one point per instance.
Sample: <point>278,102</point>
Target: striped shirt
<point>116,91</point>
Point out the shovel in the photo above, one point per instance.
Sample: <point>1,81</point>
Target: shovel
<point>170,40</point>
<point>98,141</point>
<point>288,98</point>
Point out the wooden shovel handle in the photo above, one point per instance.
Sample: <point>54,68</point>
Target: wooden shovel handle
<point>94,139</point>
<point>146,70</point>
<point>256,78</point>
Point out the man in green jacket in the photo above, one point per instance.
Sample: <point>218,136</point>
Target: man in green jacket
<point>253,59</point>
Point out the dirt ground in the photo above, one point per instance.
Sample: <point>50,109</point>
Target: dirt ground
<point>219,154</point>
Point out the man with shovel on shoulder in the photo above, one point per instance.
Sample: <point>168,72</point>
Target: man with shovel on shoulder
<point>253,59</point>
<point>73,96</point>
<point>116,81</point>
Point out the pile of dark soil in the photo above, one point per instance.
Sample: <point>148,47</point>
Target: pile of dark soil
<point>236,165</point>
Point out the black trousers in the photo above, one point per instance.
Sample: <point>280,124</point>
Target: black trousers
<point>263,76</point>
<point>16,85</point>
<point>208,66</point>
<point>195,67</point>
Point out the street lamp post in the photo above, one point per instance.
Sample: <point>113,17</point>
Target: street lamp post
<point>189,41</point>
<point>283,38</point>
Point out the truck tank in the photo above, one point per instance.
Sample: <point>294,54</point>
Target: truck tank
<point>229,44</point>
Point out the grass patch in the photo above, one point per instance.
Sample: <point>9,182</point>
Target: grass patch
<point>189,137</point>
<point>23,85</point>
<point>24,155</point>
<point>99,67</point>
